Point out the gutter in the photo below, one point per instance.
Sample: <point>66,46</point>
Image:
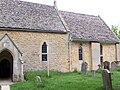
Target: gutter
<point>68,34</point>
<point>90,40</point>
<point>31,30</point>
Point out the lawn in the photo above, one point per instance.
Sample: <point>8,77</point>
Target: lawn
<point>65,81</point>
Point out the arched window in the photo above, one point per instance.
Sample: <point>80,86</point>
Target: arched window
<point>101,54</point>
<point>101,50</point>
<point>44,52</point>
<point>80,53</point>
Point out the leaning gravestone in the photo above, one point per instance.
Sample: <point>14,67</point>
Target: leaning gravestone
<point>113,65</point>
<point>84,67</point>
<point>106,76</point>
<point>106,65</point>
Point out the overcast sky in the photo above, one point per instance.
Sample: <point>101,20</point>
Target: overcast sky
<point>109,10</point>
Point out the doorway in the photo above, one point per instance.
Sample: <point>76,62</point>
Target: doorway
<point>6,65</point>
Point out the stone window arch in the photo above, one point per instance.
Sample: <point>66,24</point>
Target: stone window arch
<point>44,51</point>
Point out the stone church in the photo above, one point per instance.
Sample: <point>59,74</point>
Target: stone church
<point>36,36</point>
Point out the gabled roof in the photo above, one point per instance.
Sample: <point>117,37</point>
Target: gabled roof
<point>27,15</point>
<point>88,27</point>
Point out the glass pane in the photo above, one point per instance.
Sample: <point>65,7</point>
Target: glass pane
<point>80,53</point>
<point>100,49</point>
<point>44,48</point>
<point>44,57</point>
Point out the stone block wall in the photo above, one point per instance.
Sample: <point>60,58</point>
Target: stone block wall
<point>74,55</point>
<point>118,51</point>
<point>30,44</point>
<point>95,49</point>
<point>109,52</point>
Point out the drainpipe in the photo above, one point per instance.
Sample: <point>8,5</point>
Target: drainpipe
<point>69,49</point>
<point>66,30</point>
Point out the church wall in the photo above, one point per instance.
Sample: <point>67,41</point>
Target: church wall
<point>109,52</point>
<point>74,55</point>
<point>30,44</point>
<point>95,49</point>
<point>118,51</point>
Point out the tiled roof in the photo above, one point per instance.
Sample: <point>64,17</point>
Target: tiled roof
<point>26,15</point>
<point>88,27</point>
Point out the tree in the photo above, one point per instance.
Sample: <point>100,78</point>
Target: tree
<point>116,30</point>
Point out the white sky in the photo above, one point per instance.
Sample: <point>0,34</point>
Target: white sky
<point>109,10</point>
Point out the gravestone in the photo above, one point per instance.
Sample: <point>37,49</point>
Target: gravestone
<point>93,73</point>
<point>113,65</point>
<point>84,67</point>
<point>38,78</point>
<point>106,76</point>
<point>118,63</point>
<point>106,65</point>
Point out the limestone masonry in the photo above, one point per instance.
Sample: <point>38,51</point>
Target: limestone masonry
<point>41,37</point>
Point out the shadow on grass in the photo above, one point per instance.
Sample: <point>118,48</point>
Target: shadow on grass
<point>100,88</point>
<point>116,87</point>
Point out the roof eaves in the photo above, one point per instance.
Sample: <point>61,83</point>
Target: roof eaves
<point>31,30</point>
<point>90,40</point>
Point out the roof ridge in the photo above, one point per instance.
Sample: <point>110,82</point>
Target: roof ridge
<point>78,13</point>
<point>30,15</point>
<point>31,2</point>
<point>88,27</point>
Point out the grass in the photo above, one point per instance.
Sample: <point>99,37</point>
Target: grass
<point>65,81</point>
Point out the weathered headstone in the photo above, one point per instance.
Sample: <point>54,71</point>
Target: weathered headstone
<point>38,78</point>
<point>106,76</point>
<point>113,65</point>
<point>106,65</point>
<point>93,73</point>
<point>118,63</point>
<point>84,67</point>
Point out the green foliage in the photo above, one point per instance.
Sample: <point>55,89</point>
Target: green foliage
<point>58,81</point>
<point>116,30</point>
<point>116,79</point>
<point>65,81</point>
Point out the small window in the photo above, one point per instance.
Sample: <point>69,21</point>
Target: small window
<point>101,50</point>
<point>101,55</point>
<point>80,53</point>
<point>101,60</point>
<point>44,52</point>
